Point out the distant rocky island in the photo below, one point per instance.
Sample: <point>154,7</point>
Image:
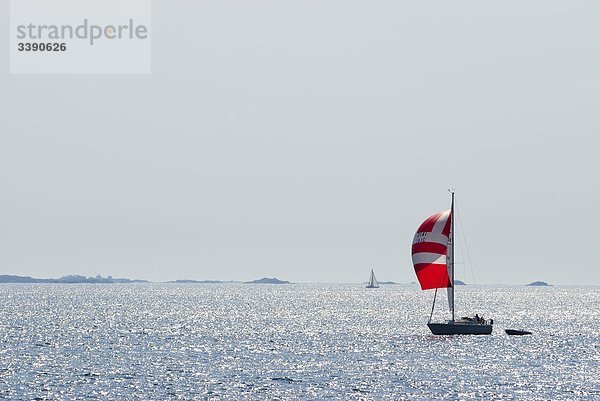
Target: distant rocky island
<point>538,284</point>
<point>387,282</point>
<point>458,282</point>
<point>266,280</point>
<point>70,279</point>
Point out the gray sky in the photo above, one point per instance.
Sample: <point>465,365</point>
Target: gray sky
<point>308,140</point>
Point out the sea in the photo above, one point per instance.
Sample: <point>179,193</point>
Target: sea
<point>293,342</point>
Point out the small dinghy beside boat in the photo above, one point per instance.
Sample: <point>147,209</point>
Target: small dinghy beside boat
<point>513,332</point>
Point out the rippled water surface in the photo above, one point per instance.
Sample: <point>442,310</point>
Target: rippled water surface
<point>236,341</point>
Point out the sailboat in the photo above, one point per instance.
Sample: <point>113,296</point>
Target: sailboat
<point>433,260</point>
<point>372,281</point>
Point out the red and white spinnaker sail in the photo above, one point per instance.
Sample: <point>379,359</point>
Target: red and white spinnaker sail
<point>430,252</point>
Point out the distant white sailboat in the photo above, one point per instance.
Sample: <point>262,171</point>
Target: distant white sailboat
<point>372,281</point>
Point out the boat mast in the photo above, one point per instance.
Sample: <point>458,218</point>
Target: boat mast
<point>452,259</point>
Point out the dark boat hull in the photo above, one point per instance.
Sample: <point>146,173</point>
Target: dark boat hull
<point>512,332</point>
<point>459,328</point>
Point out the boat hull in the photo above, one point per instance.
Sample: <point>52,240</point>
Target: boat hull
<point>512,332</point>
<point>459,328</point>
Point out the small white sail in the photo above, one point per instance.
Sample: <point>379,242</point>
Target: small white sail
<point>372,281</point>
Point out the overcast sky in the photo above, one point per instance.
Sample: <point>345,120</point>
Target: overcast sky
<point>307,140</point>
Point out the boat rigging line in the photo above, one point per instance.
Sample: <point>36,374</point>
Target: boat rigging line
<point>464,238</point>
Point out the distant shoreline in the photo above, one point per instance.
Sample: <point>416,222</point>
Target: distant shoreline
<point>71,279</point>
<point>78,279</point>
